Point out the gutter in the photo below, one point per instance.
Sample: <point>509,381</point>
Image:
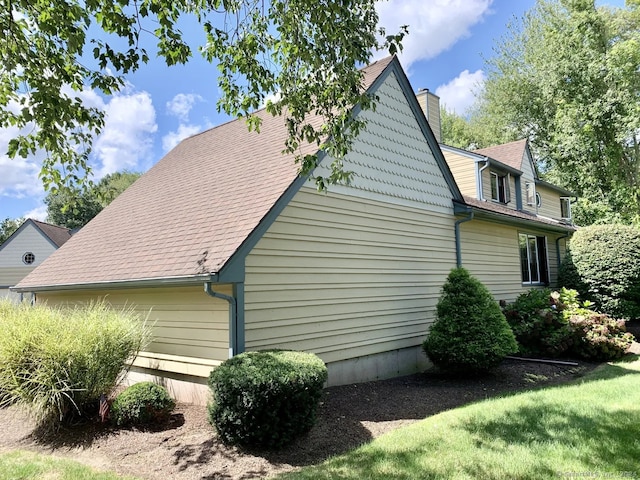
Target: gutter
<point>233,316</point>
<point>457,230</point>
<point>139,282</point>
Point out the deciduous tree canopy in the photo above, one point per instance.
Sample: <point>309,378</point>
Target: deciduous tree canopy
<point>307,51</point>
<point>567,78</point>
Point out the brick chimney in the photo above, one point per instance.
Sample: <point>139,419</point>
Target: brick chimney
<point>430,105</point>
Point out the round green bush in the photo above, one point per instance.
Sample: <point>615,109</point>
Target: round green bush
<point>266,398</point>
<point>142,403</point>
<point>603,265</point>
<point>470,332</point>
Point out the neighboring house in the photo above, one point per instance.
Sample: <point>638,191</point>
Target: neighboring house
<point>514,226</point>
<point>225,248</point>
<point>27,248</point>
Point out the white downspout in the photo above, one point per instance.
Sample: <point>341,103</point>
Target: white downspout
<point>479,180</point>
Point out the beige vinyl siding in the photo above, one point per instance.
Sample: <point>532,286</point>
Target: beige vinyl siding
<point>550,206</point>
<point>464,171</point>
<point>346,277</point>
<point>28,240</point>
<point>486,186</point>
<point>528,176</point>
<point>190,329</point>
<point>430,105</point>
<point>490,251</point>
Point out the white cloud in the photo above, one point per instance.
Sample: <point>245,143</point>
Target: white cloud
<point>181,105</point>
<point>434,26</point>
<point>458,94</point>
<point>126,139</point>
<point>171,139</point>
<point>18,176</point>
<point>38,213</point>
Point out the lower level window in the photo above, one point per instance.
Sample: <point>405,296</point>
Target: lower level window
<point>533,259</point>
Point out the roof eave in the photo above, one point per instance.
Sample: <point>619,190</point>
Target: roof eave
<point>506,219</point>
<point>172,281</point>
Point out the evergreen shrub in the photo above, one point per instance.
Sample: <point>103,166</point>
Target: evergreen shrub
<point>603,265</point>
<point>470,332</point>
<point>142,403</point>
<point>57,362</point>
<point>266,398</point>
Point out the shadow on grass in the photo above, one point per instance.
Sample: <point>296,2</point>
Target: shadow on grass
<point>610,439</point>
<point>349,414</point>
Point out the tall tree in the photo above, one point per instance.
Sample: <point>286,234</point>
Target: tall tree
<point>77,211</point>
<point>566,76</point>
<point>470,133</point>
<point>307,51</point>
<point>8,226</point>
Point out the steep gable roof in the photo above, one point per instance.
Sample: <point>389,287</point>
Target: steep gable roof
<point>188,214</point>
<point>512,153</point>
<point>56,235</point>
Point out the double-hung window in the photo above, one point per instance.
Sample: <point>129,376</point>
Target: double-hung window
<point>500,188</point>
<point>565,208</point>
<point>533,259</point>
<point>531,194</point>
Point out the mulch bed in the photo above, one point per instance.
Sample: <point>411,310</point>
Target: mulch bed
<point>187,447</point>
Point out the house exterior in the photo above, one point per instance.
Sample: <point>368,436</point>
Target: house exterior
<point>225,248</point>
<point>514,227</point>
<point>27,248</point>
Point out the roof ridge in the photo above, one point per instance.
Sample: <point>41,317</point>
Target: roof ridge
<point>388,58</point>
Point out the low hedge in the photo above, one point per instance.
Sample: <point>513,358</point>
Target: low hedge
<point>266,398</point>
<point>142,403</point>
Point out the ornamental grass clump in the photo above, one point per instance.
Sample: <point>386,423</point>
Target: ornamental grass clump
<point>267,398</point>
<point>470,332</point>
<point>57,362</point>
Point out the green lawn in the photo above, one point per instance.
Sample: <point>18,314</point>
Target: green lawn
<point>20,465</point>
<point>589,429</point>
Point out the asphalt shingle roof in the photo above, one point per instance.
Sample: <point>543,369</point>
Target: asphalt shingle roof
<point>511,154</point>
<point>189,213</point>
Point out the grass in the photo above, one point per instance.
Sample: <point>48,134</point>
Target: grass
<point>588,429</point>
<point>21,465</point>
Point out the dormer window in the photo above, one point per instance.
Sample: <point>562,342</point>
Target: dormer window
<point>565,208</point>
<point>500,188</point>
<point>531,194</point>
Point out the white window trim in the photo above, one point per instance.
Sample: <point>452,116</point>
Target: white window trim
<point>546,247</point>
<point>568,200</point>
<point>494,177</point>
<point>534,194</point>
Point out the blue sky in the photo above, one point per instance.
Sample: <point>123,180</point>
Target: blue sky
<point>444,52</point>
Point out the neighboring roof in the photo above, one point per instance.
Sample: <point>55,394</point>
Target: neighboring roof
<point>510,216</point>
<point>188,214</point>
<point>511,153</point>
<point>56,235</point>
